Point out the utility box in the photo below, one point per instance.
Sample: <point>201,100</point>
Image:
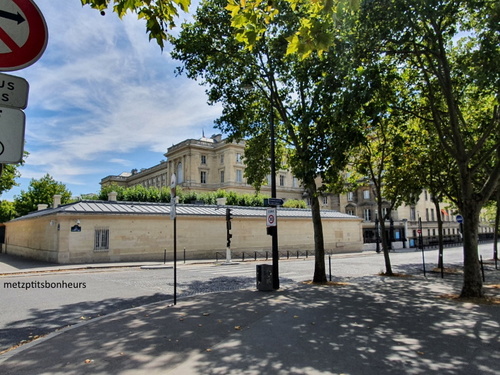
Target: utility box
<point>264,277</point>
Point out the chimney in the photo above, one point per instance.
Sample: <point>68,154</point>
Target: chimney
<point>57,201</point>
<point>42,206</point>
<point>112,196</point>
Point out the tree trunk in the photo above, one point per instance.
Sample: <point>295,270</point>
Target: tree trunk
<point>495,231</point>
<point>473,283</point>
<point>385,247</point>
<point>319,244</point>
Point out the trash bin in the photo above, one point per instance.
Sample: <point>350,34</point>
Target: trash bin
<point>264,277</point>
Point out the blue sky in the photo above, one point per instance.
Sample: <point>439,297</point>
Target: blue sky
<point>103,99</point>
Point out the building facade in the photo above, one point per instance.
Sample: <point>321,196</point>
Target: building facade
<point>205,164</point>
<point>209,164</point>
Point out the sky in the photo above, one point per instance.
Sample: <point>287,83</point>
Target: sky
<point>103,100</point>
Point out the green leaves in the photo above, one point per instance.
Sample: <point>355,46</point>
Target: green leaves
<point>160,15</point>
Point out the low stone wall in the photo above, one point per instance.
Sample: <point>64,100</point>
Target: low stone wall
<point>146,237</point>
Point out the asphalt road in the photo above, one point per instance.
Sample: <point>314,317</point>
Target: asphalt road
<point>30,310</point>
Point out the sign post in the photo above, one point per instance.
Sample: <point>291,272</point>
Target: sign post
<point>23,39</point>
<point>173,216</point>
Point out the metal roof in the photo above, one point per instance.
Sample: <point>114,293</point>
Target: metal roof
<point>145,208</point>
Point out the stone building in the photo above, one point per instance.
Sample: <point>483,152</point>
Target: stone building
<point>209,164</point>
<point>205,164</point>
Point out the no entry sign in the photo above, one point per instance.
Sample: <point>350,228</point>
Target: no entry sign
<point>23,34</point>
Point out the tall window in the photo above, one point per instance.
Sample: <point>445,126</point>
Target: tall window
<point>413,215</point>
<point>221,177</point>
<point>203,159</point>
<point>366,194</point>
<point>203,177</point>
<point>325,199</point>
<point>350,196</point>
<point>180,174</point>
<point>367,214</point>
<point>222,158</point>
<point>282,180</point>
<point>239,175</point>
<point>101,239</point>
<point>238,158</point>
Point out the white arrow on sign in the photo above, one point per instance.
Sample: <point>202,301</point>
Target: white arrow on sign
<point>12,125</point>
<point>13,91</point>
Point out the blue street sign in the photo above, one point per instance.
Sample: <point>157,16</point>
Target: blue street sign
<point>273,202</point>
<point>460,219</point>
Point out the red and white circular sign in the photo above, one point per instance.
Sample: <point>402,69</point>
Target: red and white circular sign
<point>23,34</point>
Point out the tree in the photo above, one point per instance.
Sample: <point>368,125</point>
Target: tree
<point>40,191</point>
<point>309,102</point>
<point>7,211</point>
<point>453,45</point>
<point>387,156</point>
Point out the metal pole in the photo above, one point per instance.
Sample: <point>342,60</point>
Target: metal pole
<point>175,261</point>
<point>330,266</point>
<point>276,280</point>
<point>421,240</point>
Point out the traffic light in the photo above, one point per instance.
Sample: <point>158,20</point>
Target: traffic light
<point>229,217</point>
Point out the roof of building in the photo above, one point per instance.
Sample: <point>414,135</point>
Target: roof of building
<point>146,208</point>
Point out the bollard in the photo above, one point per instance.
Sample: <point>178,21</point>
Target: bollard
<point>330,266</point>
<point>165,256</point>
<point>482,268</point>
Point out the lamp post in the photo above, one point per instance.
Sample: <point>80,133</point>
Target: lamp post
<point>274,233</point>
<point>273,230</point>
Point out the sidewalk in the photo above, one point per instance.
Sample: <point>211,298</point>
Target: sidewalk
<point>366,325</point>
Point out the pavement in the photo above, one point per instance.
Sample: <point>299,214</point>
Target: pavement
<point>360,325</point>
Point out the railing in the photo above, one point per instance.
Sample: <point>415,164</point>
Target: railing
<point>246,256</point>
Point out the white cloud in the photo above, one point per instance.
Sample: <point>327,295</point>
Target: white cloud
<point>103,96</point>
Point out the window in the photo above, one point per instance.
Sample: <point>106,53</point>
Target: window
<point>427,214</point>
<point>239,176</point>
<point>222,158</point>
<point>238,158</point>
<point>413,215</point>
<point>203,159</point>
<point>325,199</point>
<point>366,194</point>
<point>221,177</point>
<point>282,180</point>
<point>101,239</point>
<point>349,211</point>
<point>367,214</point>
<point>432,214</point>
<point>295,182</point>
<point>203,177</point>
<point>350,196</point>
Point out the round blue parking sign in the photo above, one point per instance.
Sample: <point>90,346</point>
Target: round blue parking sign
<point>460,219</point>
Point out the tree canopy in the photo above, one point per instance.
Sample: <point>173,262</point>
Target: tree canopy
<point>308,102</point>
<point>40,191</point>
